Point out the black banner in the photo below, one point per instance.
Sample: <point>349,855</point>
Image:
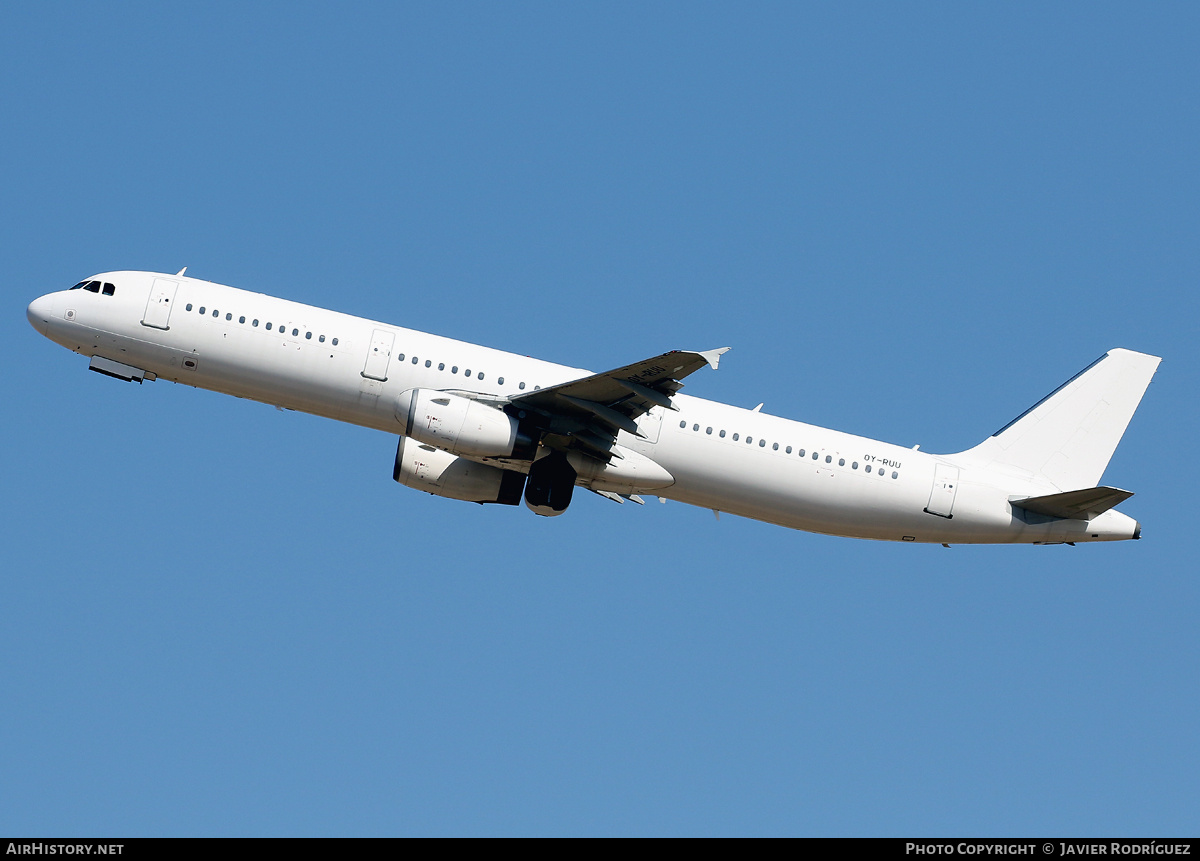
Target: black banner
<point>1043,847</point>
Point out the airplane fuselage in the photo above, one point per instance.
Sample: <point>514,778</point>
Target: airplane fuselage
<point>718,456</point>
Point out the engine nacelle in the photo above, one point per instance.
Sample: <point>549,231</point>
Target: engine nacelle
<point>460,425</point>
<point>432,470</point>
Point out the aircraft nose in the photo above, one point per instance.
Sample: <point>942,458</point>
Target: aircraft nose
<point>38,313</point>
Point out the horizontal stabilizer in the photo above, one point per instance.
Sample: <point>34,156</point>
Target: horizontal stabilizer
<point>1075,504</point>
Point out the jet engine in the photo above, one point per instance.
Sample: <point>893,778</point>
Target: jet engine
<point>432,470</point>
<point>461,426</point>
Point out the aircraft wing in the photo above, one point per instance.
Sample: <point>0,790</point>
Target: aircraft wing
<point>591,410</point>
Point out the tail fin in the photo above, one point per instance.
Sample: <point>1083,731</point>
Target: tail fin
<point>1069,436</point>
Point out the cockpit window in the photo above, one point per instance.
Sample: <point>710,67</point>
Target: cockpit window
<point>95,287</point>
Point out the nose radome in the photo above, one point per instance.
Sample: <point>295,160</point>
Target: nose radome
<point>38,313</point>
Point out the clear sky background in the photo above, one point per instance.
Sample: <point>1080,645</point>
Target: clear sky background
<point>909,221</point>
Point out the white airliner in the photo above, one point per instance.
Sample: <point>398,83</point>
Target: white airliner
<point>483,425</point>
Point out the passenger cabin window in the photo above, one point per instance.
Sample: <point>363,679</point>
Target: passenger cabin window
<point>308,336</point>
<point>321,339</point>
<point>268,327</point>
<point>335,342</point>
<point>188,308</point>
<point>241,319</point>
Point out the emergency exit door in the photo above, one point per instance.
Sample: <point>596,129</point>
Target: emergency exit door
<point>650,424</point>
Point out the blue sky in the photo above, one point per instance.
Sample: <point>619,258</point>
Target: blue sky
<point>908,222</point>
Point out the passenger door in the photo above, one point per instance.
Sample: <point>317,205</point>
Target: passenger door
<point>158,306</point>
<point>945,486</point>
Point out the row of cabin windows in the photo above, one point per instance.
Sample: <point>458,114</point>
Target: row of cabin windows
<point>282,328</point>
<point>321,338</point>
<point>762,443</point>
<point>454,370</point>
<point>96,287</point>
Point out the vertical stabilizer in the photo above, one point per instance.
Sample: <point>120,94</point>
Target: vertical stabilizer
<point>1069,436</point>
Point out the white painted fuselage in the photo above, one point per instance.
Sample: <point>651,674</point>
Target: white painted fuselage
<point>720,457</point>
